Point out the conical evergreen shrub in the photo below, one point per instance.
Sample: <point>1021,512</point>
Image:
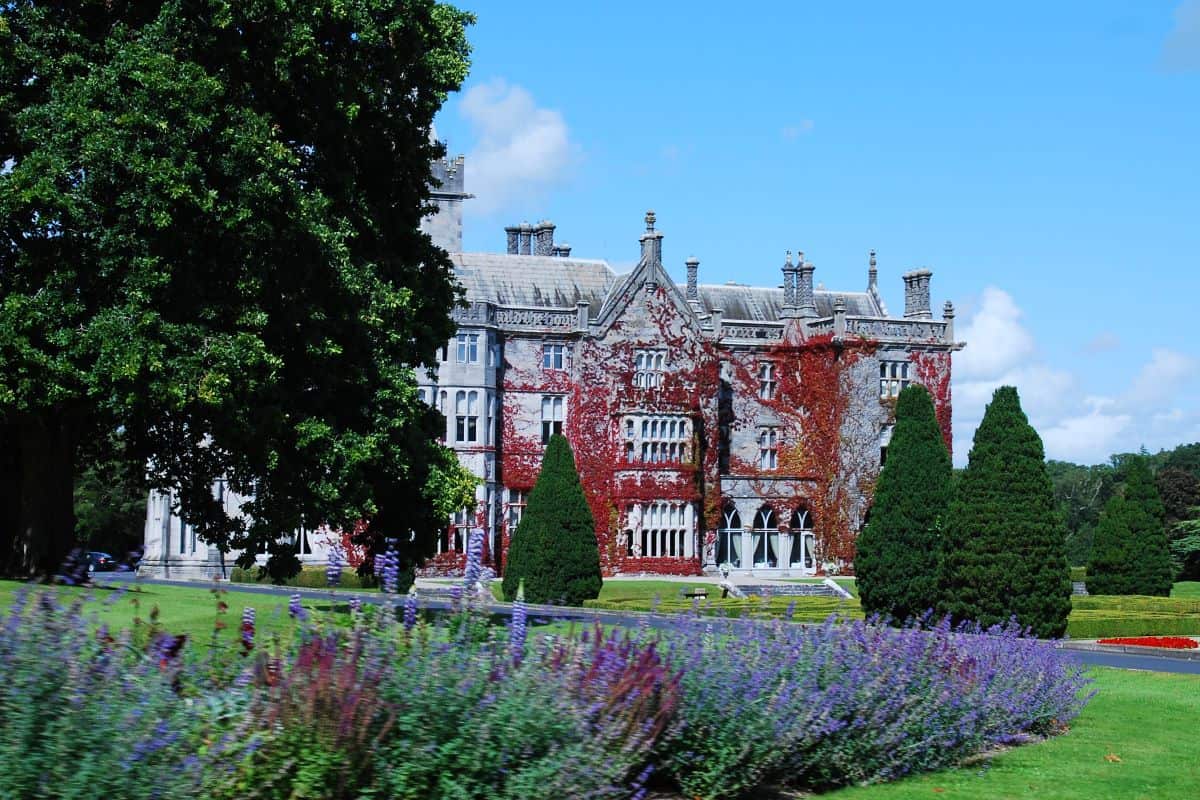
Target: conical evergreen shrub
<point>1004,546</point>
<point>896,561</point>
<point>1130,554</point>
<point>554,548</point>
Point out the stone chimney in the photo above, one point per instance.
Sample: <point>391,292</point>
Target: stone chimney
<point>693,273</point>
<point>789,282</point>
<point>806,302</point>
<point>543,238</point>
<point>839,317</point>
<point>512,235</point>
<point>872,274</point>
<point>563,250</point>
<point>526,235</point>
<point>651,241</point>
<point>916,294</point>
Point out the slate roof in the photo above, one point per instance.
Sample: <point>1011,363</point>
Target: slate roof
<point>764,304</point>
<point>536,281</point>
<point>556,282</point>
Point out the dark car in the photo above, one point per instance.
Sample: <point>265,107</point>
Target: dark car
<point>101,562</point>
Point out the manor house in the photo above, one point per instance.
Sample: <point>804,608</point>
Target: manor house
<point>712,423</point>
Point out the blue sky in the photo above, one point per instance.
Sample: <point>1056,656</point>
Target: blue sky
<point>1043,159</point>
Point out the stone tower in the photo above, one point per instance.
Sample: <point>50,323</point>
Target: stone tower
<point>445,225</point>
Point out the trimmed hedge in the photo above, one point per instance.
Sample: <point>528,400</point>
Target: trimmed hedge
<point>307,578</point>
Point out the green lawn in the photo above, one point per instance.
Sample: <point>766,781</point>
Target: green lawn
<point>1186,589</point>
<point>1136,740</point>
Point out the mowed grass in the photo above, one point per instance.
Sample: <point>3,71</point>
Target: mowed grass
<point>1136,740</point>
<point>1189,589</point>
<point>189,610</point>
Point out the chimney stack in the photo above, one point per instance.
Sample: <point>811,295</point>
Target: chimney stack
<point>789,282</point>
<point>512,235</point>
<point>543,234</point>
<point>916,294</point>
<point>806,302</point>
<point>693,272</point>
<point>526,238</point>
<point>651,241</point>
<point>872,273</point>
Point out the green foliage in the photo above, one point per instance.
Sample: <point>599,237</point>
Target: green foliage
<point>1004,545</point>
<point>306,578</point>
<point>1185,457</point>
<point>554,548</point>
<point>110,499</point>
<point>1130,555</point>
<point>895,565</point>
<point>1185,550</point>
<point>1098,616</point>
<point>1180,493</point>
<point>213,244</point>
<point>1079,494</point>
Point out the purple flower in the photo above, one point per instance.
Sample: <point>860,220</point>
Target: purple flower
<point>355,605</point>
<point>333,570</point>
<point>474,560</point>
<point>387,567</point>
<point>247,629</point>
<point>410,610</point>
<point>517,628</point>
<point>296,610</point>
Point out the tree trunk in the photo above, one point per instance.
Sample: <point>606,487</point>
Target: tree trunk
<point>10,496</point>
<point>45,531</point>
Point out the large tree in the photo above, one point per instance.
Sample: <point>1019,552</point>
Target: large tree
<point>896,561</point>
<point>554,548</point>
<point>1131,555</point>
<point>1003,551</point>
<point>211,243</point>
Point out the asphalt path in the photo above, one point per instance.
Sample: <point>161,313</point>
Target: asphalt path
<point>1138,661</point>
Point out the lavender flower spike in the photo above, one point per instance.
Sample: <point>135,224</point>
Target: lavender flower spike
<point>410,609</point>
<point>295,609</point>
<point>387,566</point>
<point>474,560</point>
<point>333,570</point>
<point>516,631</point>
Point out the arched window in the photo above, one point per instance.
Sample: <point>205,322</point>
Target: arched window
<point>803,540</point>
<point>729,538</point>
<point>766,538</point>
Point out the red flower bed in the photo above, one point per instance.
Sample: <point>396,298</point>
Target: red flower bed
<point>1170,642</point>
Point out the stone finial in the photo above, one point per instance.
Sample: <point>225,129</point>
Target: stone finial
<point>564,250</point>
<point>651,241</point>
<point>806,301</point>
<point>512,234</point>
<point>839,316</point>
<point>948,310</point>
<point>916,294</point>
<point>693,273</point>
<point>872,272</point>
<point>526,236</point>
<point>948,318</point>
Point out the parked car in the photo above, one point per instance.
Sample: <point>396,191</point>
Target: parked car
<point>100,562</point>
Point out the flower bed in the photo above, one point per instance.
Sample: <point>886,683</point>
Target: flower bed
<point>393,706</point>
<point>1168,642</point>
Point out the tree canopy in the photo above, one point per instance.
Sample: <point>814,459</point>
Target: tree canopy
<point>1003,550</point>
<point>1131,555</point>
<point>897,552</point>
<point>211,243</point>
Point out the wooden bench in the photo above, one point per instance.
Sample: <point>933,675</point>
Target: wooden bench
<point>695,592</point>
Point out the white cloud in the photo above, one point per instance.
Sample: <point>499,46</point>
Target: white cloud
<point>1181,49</point>
<point>791,132</point>
<point>997,341</point>
<point>521,150</point>
<point>1074,426</point>
<point>1159,380</point>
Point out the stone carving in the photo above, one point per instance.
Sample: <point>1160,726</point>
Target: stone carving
<point>535,318</point>
<point>894,329</point>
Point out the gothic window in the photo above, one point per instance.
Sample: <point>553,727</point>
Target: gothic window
<point>466,417</point>
<point>803,540</point>
<point>468,348</point>
<point>729,538</point>
<point>766,537</point>
<point>768,448</point>
<point>553,355</point>
<point>663,439</point>
<point>552,416</point>
<point>766,381</point>
<point>649,366</point>
<point>303,542</point>
<point>893,376</point>
<point>460,526</point>
<point>662,532</point>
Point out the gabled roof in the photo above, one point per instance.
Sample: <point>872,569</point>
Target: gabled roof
<point>536,281</point>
